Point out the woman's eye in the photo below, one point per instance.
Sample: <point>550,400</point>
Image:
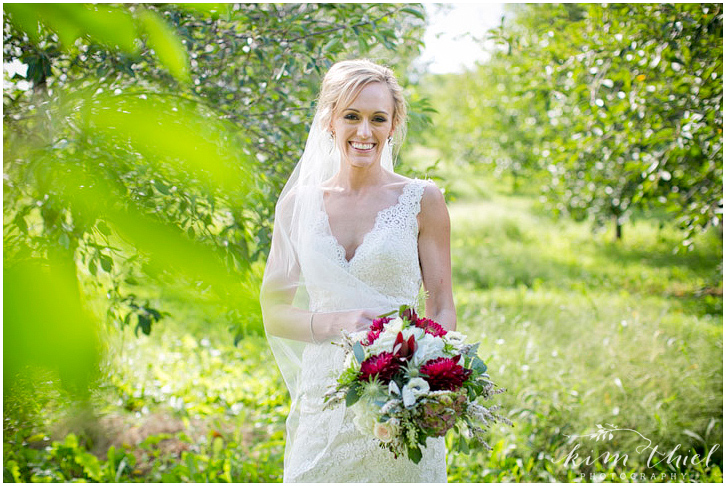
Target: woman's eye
<point>351,116</point>
<point>379,119</point>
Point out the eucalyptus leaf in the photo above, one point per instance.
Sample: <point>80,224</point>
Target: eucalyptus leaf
<point>358,352</point>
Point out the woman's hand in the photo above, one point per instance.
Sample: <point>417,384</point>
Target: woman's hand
<point>330,324</point>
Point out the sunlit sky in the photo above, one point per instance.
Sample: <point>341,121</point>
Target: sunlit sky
<point>449,43</point>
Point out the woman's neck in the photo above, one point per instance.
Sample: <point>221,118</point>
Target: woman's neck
<point>359,179</point>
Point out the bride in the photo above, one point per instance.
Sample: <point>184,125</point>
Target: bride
<point>352,240</point>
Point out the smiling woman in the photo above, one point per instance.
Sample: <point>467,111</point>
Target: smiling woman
<point>352,240</point>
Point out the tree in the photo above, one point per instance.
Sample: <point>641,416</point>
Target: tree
<point>154,150</point>
<point>618,107</point>
<point>624,82</point>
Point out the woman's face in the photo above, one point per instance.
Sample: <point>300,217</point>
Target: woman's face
<point>361,128</point>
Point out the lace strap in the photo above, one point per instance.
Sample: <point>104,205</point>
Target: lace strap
<point>412,195</point>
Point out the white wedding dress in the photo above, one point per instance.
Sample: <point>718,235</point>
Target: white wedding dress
<point>324,445</point>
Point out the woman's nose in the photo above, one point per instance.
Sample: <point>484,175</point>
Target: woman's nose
<point>364,129</point>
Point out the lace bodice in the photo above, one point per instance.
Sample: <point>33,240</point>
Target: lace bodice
<point>386,260</point>
<point>326,445</point>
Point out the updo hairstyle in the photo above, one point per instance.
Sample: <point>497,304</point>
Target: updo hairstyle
<point>346,79</point>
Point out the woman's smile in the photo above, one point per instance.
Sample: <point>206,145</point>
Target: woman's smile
<point>365,147</point>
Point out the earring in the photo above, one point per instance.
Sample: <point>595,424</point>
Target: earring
<point>390,141</point>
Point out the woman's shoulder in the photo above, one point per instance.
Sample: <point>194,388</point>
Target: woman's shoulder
<point>398,181</point>
<point>430,192</point>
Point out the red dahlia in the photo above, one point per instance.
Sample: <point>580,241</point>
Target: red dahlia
<point>431,327</point>
<point>385,365</point>
<point>445,373</point>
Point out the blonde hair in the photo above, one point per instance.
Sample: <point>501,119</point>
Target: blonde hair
<point>346,79</point>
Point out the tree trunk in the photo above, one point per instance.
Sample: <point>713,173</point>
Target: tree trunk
<point>618,229</point>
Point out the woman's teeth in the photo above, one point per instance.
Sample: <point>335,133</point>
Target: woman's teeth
<point>362,146</point>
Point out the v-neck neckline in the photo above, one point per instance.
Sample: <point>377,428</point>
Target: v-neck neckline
<point>369,232</point>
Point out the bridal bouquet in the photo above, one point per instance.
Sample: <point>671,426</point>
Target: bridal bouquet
<point>407,378</point>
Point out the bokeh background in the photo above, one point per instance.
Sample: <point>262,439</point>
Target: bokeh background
<point>144,148</point>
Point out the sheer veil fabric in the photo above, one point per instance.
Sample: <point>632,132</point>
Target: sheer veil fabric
<point>292,269</point>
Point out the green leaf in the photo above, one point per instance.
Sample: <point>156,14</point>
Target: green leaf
<point>415,12</point>
<point>352,396</point>
<point>463,444</point>
<point>472,351</point>
<point>106,263</point>
<point>110,26</point>
<point>414,453</point>
<point>90,464</point>
<point>478,365</point>
<point>358,352</point>
<point>19,221</point>
<point>161,187</point>
<point>144,325</point>
<point>62,19</point>
<point>332,45</point>
<point>166,44</point>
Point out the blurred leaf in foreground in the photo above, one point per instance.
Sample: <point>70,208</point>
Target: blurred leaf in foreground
<point>45,324</point>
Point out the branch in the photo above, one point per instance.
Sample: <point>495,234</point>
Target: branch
<point>342,27</point>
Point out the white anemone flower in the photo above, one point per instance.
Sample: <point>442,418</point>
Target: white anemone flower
<point>455,338</point>
<point>414,389</point>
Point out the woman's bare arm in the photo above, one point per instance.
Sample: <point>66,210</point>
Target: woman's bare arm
<point>434,250</point>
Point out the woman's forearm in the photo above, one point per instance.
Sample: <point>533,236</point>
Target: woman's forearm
<point>288,322</point>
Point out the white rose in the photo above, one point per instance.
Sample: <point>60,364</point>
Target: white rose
<point>414,389</point>
<point>429,347</point>
<point>394,326</point>
<point>386,431</point>
<point>383,343</point>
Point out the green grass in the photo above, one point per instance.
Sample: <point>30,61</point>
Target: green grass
<point>583,331</point>
<point>579,329</point>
